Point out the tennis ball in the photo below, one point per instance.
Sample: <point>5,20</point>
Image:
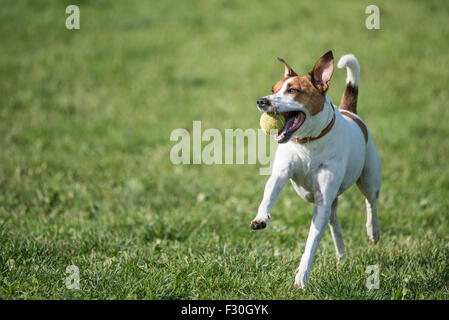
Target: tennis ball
<point>272,121</point>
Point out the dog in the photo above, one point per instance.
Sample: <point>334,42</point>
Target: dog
<point>323,150</point>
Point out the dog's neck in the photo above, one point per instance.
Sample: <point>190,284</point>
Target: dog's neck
<point>317,122</point>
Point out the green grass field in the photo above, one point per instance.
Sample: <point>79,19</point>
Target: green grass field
<point>85,172</point>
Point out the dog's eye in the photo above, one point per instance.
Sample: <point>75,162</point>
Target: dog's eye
<point>292,90</point>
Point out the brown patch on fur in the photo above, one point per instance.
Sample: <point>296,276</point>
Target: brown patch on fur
<point>307,94</point>
<point>288,73</point>
<point>359,122</point>
<point>349,98</point>
<point>278,86</point>
<point>310,89</point>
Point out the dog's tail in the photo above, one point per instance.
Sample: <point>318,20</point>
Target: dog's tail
<point>349,98</point>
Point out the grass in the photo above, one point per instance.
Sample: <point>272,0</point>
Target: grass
<point>85,174</point>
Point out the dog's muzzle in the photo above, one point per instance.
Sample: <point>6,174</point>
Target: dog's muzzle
<point>263,103</point>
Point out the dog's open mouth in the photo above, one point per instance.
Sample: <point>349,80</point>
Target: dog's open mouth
<point>293,120</point>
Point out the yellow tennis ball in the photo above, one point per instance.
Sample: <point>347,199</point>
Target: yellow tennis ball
<point>272,121</point>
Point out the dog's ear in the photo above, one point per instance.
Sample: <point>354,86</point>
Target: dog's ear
<point>288,72</point>
<point>322,72</point>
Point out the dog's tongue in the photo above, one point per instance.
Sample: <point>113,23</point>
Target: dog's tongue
<point>292,124</point>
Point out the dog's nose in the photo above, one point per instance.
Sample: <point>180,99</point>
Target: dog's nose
<point>263,102</point>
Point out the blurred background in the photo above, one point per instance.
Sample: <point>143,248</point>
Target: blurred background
<point>85,173</point>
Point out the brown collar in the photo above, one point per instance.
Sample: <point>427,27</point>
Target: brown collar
<point>322,134</point>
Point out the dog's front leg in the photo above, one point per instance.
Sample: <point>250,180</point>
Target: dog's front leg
<point>325,194</point>
<point>272,190</point>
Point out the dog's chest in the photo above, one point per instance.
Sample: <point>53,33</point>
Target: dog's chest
<point>305,164</point>
<point>305,168</point>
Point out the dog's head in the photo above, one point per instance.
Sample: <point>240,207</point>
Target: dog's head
<point>299,98</point>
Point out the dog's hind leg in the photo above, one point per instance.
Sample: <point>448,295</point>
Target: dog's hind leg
<point>372,222</point>
<point>369,185</point>
<point>336,233</point>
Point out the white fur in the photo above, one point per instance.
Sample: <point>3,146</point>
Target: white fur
<point>321,170</point>
<point>353,68</point>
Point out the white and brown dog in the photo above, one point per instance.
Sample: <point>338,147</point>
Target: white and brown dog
<point>323,151</point>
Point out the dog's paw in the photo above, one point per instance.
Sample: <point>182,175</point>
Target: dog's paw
<point>374,240</point>
<point>341,259</point>
<point>301,279</point>
<point>257,224</point>
<point>373,233</point>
